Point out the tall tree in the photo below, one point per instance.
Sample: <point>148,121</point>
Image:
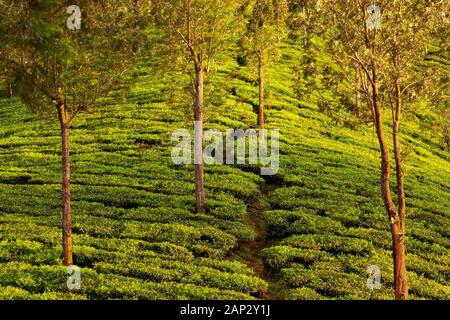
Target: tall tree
<point>318,78</point>
<point>388,40</point>
<point>60,58</point>
<point>357,90</point>
<point>197,31</point>
<point>305,19</point>
<point>265,26</point>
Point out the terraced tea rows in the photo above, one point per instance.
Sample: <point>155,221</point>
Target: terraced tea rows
<point>135,234</point>
<point>328,215</point>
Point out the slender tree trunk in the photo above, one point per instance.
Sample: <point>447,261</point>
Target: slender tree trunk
<point>398,250</point>
<point>66,219</point>
<point>10,89</point>
<point>385,165</point>
<point>447,140</point>
<point>261,106</point>
<point>398,231</point>
<point>399,256</point>
<point>305,29</point>
<point>445,134</point>
<point>357,92</point>
<point>401,282</point>
<point>198,143</point>
<point>136,14</point>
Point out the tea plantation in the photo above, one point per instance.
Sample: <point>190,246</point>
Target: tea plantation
<point>135,232</point>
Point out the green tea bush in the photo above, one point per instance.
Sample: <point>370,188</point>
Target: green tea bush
<point>330,243</point>
<point>281,223</point>
<point>279,257</point>
<point>136,234</point>
<point>13,293</point>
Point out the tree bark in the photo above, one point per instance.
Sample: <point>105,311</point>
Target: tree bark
<point>136,16</point>
<point>396,219</point>
<point>10,89</point>
<point>261,106</point>
<point>198,143</point>
<point>385,165</point>
<point>305,29</point>
<point>66,218</point>
<point>357,92</point>
<point>447,140</point>
<point>446,136</point>
<point>400,279</point>
<point>399,256</point>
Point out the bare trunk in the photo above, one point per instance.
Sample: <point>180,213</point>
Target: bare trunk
<point>136,16</point>
<point>305,30</point>
<point>399,255</point>
<point>10,89</point>
<point>198,144</point>
<point>66,220</point>
<point>397,223</point>
<point>447,140</point>
<point>385,166</point>
<point>357,90</point>
<point>261,96</point>
<point>401,282</point>
<point>445,134</point>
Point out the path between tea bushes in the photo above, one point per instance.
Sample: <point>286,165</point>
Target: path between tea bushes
<point>250,251</point>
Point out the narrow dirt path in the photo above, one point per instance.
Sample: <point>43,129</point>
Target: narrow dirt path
<point>255,220</point>
<point>249,252</point>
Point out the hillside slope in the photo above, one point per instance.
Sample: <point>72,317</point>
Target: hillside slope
<point>135,234</point>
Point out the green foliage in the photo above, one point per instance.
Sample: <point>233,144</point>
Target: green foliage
<point>54,64</point>
<point>146,243</point>
<point>265,22</point>
<point>135,232</point>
